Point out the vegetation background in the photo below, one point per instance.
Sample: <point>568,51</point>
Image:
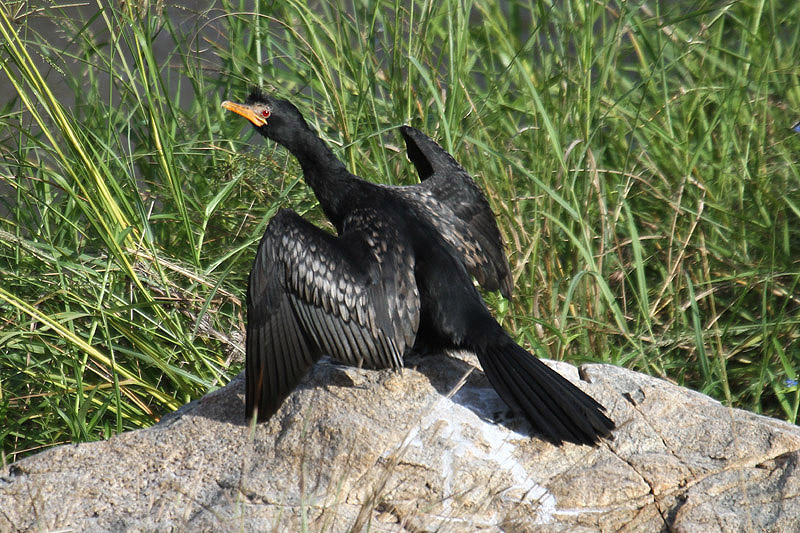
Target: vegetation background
<point>639,157</point>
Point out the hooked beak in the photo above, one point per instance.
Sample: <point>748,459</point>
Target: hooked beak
<point>246,111</point>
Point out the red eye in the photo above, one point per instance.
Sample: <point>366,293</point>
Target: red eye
<point>265,113</point>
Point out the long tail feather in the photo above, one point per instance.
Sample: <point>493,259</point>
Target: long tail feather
<point>551,403</point>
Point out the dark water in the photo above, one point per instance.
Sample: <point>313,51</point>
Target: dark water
<point>65,30</point>
<point>60,34</point>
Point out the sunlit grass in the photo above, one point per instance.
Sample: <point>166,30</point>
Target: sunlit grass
<point>638,156</point>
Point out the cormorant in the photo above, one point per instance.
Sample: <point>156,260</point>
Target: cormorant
<point>397,275</point>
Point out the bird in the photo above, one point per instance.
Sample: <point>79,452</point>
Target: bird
<point>396,276</point>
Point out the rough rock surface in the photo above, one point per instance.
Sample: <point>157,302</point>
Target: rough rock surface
<point>428,449</point>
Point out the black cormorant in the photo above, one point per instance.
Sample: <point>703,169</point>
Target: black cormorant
<point>397,275</point>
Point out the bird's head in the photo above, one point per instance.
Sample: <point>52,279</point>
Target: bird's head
<point>275,119</point>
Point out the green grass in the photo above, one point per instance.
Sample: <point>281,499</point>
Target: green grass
<point>638,157</point>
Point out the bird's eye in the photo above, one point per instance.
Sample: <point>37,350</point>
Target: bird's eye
<point>265,113</point>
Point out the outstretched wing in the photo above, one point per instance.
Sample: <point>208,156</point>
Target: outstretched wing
<point>454,204</point>
<point>353,297</point>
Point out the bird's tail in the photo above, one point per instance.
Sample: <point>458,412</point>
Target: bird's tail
<point>554,406</point>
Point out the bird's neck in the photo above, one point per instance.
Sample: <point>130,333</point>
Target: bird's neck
<point>324,173</point>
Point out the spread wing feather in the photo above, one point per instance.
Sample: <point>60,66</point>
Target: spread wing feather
<point>310,293</point>
<point>454,204</point>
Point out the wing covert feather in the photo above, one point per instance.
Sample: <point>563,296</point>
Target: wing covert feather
<point>352,296</point>
<point>452,201</point>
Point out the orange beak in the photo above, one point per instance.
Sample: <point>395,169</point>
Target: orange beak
<point>246,111</point>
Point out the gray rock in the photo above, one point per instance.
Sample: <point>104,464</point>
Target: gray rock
<point>429,449</point>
